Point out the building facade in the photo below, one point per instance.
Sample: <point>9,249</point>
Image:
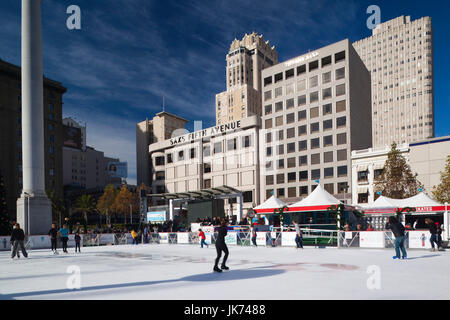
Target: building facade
<point>316,111</point>
<point>11,134</point>
<point>212,157</point>
<point>162,127</point>
<point>426,158</point>
<point>399,55</point>
<point>245,61</point>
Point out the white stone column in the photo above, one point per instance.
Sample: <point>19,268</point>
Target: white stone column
<point>33,202</point>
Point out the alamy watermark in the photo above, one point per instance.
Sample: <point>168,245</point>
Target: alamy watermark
<point>73,22</point>
<point>74,280</point>
<point>374,280</point>
<point>375,19</point>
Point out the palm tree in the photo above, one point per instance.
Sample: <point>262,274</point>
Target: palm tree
<point>85,204</point>
<point>58,206</point>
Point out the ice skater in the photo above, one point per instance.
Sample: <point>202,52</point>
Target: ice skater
<point>435,235</point>
<point>298,235</point>
<point>254,234</point>
<point>77,242</point>
<point>53,233</point>
<point>64,232</point>
<point>202,237</point>
<point>399,232</point>
<point>17,239</point>
<point>221,246</point>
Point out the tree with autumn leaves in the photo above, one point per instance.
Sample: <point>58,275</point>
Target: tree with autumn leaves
<point>441,193</point>
<point>397,180</point>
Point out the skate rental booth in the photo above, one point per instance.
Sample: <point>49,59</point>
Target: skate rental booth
<point>421,207</point>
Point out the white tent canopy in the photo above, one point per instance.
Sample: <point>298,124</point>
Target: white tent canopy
<point>270,205</point>
<point>318,200</point>
<point>420,200</point>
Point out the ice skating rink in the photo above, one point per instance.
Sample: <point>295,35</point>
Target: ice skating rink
<point>179,272</point>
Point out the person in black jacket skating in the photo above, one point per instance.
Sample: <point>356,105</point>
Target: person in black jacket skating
<point>17,239</point>
<point>53,233</point>
<point>221,246</point>
<point>399,232</point>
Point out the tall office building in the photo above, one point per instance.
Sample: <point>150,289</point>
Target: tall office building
<point>399,55</point>
<point>245,62</point>
<point>11,134</point>
<point>316,111</point>
<point>161,127</point>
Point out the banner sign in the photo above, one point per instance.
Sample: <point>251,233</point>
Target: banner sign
<point>371,239</point>
<point>183,238</point>
<point>164,238</point>
<point>231,238</point>
<point>156,216</point>
<point>118,169</point>
<point>288,239</point>
<point>261,238</point>
<point>419,239</point>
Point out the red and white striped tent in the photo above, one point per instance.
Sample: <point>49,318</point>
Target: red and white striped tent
<point>318,200</point>
<point>269,206</point>
<point>421,202</point>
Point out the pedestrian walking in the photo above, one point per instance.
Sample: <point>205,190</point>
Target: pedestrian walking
<point>399,232</point>
<point>202,237</point>
<point>53,233</point>
<point>221,247</point>
<point>17,239</point>
<point>77,242</point>
<point>64,232</point>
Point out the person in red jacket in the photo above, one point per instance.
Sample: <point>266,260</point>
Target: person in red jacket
<point>202,237</point>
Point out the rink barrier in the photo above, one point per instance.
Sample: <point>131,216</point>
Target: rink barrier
<point>417,239</point>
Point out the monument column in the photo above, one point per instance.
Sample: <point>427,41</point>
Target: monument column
<point>34,211</point>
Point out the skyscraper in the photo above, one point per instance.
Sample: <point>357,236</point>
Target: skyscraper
<point>399,55</point>
<point>245,62</point>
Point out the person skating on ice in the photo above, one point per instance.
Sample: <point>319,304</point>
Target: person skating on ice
<point>399,232</point>
<point>17,239</point>
<point>53,233</point>
<point>254,235</point>
<point>77,242</point>
<point>298,235</point>
<point>64,232</point>
<point>221,246</point>
<point>202,237</point>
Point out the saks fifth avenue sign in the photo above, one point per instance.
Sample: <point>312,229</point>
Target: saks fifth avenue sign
<point>301,59</point>
<point>224,128</point>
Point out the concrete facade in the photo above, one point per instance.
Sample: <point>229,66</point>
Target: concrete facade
<point>162,127</point>
<point>399,55</point>
<point>426,158</point>
<point>245,61</point>
<point>316,111</point>
<point>212,157</point>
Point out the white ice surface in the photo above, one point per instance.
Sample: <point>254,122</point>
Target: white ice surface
<point>179,272</point>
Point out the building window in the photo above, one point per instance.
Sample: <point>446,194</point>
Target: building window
<point>278,92</point>
<point>280,193</point>
<point>327,141</point>
<point>169,158</point>
<point>313,65</point>
<point>290,133</point>
<point>301,69</point>
<point>291,162</point>
<point>52,150</point>
<point>326,77</point>
<point>315,143</point>
<point>377,173</point>
<point>326,93</point>
<point>206,151</point>
<point>279,106</point>
<point>246,141</point>
<point>269,180</point>
<point>232,144</point>
<point>315,127</point>
<point>301,85</point>
<point>328,157</point>
<point>292,192</point>
<point>160,175</point>
<point>207,167</point>
<point>247,196</point>
<point>207,183</point>
<point>280,149</point>
<point>341,122</point>
<point>278,77</point>
<point>328,173</point>
<point>290,118</point>
<point>280,178</point>
<point>315,174</point>
<point>327,109</point>
<point>342,187</point>
<point>341,138</point>
<point>268,123</point>
<point>329,187</point>
<point>363,176</point>
<point>279,121</point>
<point>302,100</point>
<point>269,193</point>
<point>326,61</point>
<point>328,125</point>
<point>291,147</point>
<point>192,153</point>
<point>342,155</point>
<point>340,106</point>
<point>340,56</point>
<point>159,161</point>
<point>280,164</point>
<point>313,97</point>
<point>315,158</point>
<point>303,175</point>
<point>302,115</point>
<point>303,191</point>
<point>269,151</point>
<point>180,155</point>
<point>314,81</point>
<point>314,112</point>
<point>302,130</point>
<point>340,90</point>
<point>289,104</point>
<point>302,145</point>
<point>51,127</point>
<point>340,73</point>
<point>268,109</point>
<point>303,161</point>
<point>267,95</point>
<point>268,81</point>
<point>363,198</point>
<point>342,171</point>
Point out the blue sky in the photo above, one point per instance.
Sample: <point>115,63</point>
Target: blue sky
<point>130,53</point>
